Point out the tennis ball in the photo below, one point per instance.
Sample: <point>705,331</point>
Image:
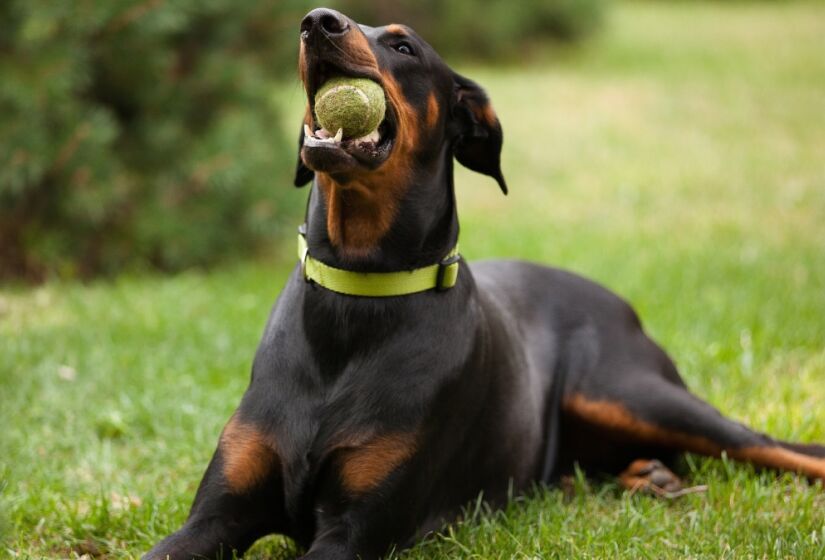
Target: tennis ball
<point>356,105</point>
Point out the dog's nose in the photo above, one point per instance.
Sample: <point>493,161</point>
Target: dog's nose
<point>324,21</point>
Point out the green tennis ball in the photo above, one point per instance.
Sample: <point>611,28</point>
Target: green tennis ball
<point>356,105</point>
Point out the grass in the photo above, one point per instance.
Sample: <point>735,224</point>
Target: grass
<point>679,159</point>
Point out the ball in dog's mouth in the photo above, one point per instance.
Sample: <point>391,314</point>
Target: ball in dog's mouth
<point>354,105</point>
<point>352,126</point>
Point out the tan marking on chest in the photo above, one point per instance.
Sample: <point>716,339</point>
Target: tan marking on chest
<point>248,456</point>
<point>357,215</point>
<point>364,467</point>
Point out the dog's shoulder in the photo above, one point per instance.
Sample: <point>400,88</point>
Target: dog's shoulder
<point>528,289</point>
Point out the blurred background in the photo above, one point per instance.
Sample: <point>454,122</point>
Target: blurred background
<point>672,150</point>
<point>143,134</point>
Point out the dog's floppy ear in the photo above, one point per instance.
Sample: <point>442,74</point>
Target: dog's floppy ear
<point>479,137</point>
<point>303,174</point>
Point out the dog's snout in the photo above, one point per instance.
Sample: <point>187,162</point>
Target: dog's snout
<point>324,21</point>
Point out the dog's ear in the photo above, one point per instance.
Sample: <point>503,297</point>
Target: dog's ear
<point>303,174</point>
<point>478,134</point>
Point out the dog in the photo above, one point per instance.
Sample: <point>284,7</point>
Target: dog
<point>395,382</point>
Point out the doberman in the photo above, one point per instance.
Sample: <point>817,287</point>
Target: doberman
<point>371,421</point>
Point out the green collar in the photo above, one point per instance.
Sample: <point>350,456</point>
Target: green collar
<point>441,276</point>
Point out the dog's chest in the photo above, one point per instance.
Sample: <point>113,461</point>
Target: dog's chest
<point>346,406</point>
<point>343,442</point>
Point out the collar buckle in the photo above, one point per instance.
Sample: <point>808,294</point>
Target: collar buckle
<point>304,255</point>
<point>447,273</point>
<point>303,251</point>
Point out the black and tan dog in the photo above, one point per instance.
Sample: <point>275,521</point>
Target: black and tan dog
<point>370,421</point>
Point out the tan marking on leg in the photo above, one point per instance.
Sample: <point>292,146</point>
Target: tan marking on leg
<point>432,111</point>
<point>248,456</point>
<point>783,459</point>
<point>614,416</point>
<point>366,466</point>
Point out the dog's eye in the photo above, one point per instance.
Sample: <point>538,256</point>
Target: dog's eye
<point>404,48</point>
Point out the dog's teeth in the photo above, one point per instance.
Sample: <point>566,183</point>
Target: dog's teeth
<point>322,136</point>
<point>373,137</point>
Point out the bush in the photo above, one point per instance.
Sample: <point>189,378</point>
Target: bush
<point>141,133</point>
<point>483,29</point>
<point>137,132</point>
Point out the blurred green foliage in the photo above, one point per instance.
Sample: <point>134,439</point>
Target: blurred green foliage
<point>483,29</point>
<point>137,132</point>
<point>142,133</point>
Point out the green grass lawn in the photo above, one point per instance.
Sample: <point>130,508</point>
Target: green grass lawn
<point>679,159</point>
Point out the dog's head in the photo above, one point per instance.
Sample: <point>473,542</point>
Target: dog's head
<point>432,112</point>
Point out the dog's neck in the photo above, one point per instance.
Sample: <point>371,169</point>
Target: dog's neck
<point>416,225</point>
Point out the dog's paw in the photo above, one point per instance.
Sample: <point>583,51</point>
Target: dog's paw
<point>650,475</point>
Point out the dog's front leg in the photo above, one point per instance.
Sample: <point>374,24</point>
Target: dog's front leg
<point>371,499</point>
<point>335,544</point>
<point>351,539</point>
<point>239,500</point>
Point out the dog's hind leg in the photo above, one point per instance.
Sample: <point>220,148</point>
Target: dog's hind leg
<point>239,500</point>
<point>646,410</point>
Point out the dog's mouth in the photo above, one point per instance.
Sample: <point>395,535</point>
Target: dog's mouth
<point>328,150</point>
